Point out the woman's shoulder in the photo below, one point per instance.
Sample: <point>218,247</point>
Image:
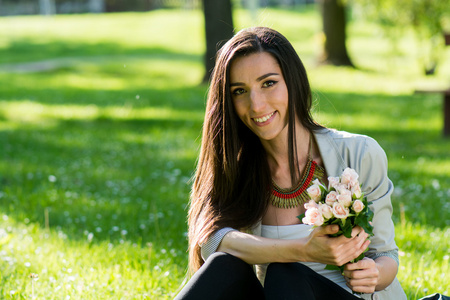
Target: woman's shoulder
<point>348,140</point>
<point>353,150</point>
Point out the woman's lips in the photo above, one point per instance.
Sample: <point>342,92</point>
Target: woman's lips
<point>264,119</point>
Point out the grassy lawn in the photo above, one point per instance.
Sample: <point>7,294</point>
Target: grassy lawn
<point>99,142</point>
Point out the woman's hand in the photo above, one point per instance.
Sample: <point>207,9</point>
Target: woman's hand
<point>335,250</point>
<point>362,276</point>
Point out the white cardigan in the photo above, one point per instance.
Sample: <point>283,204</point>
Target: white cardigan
<point>340,150</point>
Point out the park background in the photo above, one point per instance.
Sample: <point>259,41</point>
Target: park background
<point>100,122</point>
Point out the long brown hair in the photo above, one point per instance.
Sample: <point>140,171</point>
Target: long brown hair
<point>232,180</point>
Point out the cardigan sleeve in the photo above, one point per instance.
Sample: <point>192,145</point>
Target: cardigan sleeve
<point>213,242</point>
<point>378,189</point>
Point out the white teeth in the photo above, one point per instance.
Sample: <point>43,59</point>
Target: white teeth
<point>263,119</point>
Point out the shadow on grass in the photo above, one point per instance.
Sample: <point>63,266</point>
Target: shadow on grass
<point>108,176</point>
<point>27,50</point>
<point>105,177</point>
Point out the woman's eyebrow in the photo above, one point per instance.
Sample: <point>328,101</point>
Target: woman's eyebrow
<point>265,76</point>
<point>257,79</point>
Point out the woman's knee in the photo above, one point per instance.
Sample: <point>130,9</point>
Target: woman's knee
<point>286,273</point>
<point>228,263</point>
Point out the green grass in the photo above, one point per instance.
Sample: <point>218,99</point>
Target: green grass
<point>96,151</point>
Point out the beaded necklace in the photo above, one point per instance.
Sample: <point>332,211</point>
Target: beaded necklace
<point>292,197</point>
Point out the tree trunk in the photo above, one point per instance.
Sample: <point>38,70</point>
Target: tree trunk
<point>334,24</point>
<point>218,30</point>
<point>96,6</point>
<point>47,7</point>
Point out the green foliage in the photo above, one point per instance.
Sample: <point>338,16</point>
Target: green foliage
<point>97,146</point>
<point>364,218</point>
<point>428,18</point>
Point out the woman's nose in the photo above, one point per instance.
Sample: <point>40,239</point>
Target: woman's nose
<point>257,101</point>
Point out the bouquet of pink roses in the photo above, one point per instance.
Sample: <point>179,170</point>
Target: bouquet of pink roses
<point>342,203</point>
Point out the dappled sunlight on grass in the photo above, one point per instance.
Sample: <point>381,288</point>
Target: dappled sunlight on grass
<point>92,35</point>
<point>99,145</point>
<point>417,244</point>
<point>124,266</point>
<point>36,113</point>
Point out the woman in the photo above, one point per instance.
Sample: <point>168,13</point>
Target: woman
<point>259,137</point>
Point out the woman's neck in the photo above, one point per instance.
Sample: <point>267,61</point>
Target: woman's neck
<point>278,155</point>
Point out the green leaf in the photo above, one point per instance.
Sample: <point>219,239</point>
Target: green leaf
<point>301,217</point>
<point>347,229</point>
<point>334,268</point>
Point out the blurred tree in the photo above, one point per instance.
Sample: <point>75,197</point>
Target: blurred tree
<point>334,28</point>
<point>426,17</point>
<point>218,29</point>
<point>129,5</point>
<point>96,6</point>
<point>47,7</point>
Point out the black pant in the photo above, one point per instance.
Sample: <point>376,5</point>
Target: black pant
<point>224,276</point>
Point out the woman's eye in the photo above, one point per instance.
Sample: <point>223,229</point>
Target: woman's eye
<point>269,83</point>
<point>238,92</point>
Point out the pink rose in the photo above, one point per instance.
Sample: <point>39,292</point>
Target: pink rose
<point>313,217</point>
<point>326,211</point>
<point>332,182</point>
<point>331,198</point>
<point>341,187</point>
<point>317,182</point>
<point>349,177</point>
<point>311,204</point>
<point>356,190</point>
<point>314,192</point>
<point>340,211</point>
<point>345,197</point>
<point>358,206</point>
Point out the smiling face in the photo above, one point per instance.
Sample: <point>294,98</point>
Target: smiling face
<point>260,95</point>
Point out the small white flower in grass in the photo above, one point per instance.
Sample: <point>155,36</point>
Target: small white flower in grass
<point>435,184</point>
<point>124,232</point>
<point>52,178</point>
<point>90,237</point>
<point>34,276</point>
<point>12,292</point>
<point>115,228</point>
<point>137,97</point>
<point>98,229</point>
<point>142,226</point>
<point>27,264</point>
